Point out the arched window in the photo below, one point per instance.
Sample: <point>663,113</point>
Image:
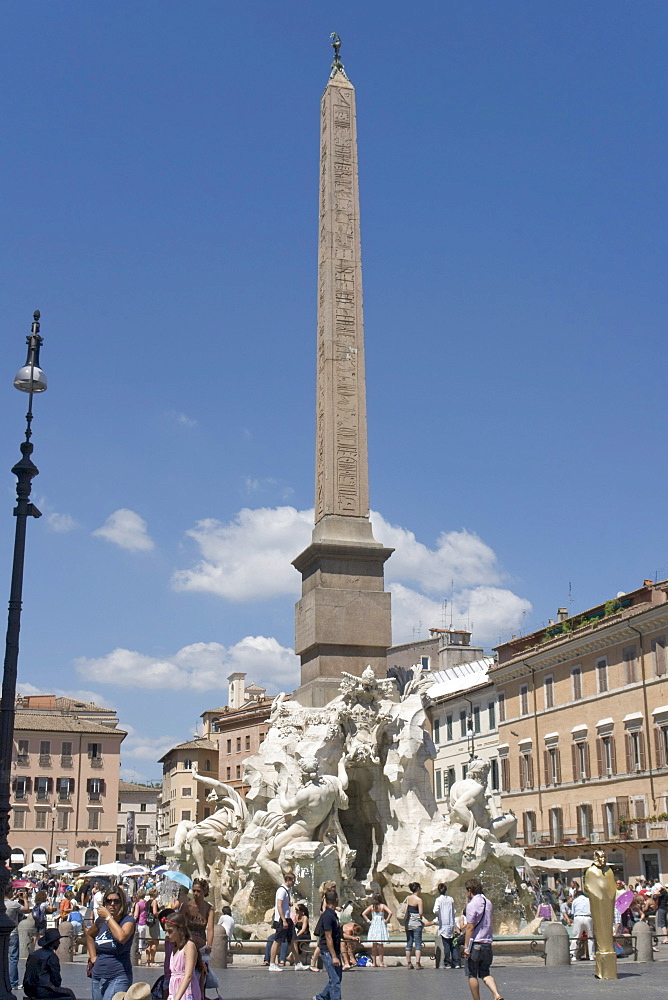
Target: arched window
<point>207,765</point>
<point>18,857</point>
<point>92,856</point>
<point>39,856</point>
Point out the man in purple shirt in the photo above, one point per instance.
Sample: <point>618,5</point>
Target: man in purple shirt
<point>478,940</point>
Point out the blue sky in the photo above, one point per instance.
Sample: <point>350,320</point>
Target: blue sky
<point>160,195</point>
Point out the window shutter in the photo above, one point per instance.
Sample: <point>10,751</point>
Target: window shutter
<point>629,752</point>
<point>579,813</point>
<point>529,771</point>
<point>88,785</point>
<point>586,761</point>
<point>523,772</point>
<point>606,827</point>
<point>659,747</point>
<point>505,774</point>
<point>590,820</point>
<point>600,757</point>
<point>623,806</point>
<point>558,753</point>
<point>613,755</point>
<point>13,784</point>
<point>641,750</point>
<point>546,761</point>
<point>50,785</point>
<point>59,784</point>
<point>574,757</point>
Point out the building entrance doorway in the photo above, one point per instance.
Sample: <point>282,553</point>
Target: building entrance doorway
<point>650,863</point>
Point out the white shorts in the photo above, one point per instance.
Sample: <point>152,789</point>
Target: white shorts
<point>142,934</point>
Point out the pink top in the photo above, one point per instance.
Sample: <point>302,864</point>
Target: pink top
<point>177,967</point>
<point>142,909</point>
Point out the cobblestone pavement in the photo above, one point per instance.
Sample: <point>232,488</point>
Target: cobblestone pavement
<point>516,982</point>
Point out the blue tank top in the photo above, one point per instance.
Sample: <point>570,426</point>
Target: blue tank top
<point>113,958</point>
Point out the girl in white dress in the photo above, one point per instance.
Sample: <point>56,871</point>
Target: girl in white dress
<point>378,917</point>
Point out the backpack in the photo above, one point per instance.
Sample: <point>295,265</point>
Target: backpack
<point>39,916</point>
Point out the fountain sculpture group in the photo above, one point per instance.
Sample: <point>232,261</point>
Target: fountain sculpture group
<point>343,793</point>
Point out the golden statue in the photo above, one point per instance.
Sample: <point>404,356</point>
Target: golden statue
<point>600,887</point>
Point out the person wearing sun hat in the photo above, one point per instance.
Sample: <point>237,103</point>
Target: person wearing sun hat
<point>42,980</point>
<point>138,991</point>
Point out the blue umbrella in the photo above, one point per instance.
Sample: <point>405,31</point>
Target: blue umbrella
<point>179,877</point>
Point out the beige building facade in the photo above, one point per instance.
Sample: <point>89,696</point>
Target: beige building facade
<point>583,733</point>
<point>65,777</point>
<point>137,822</point>
<point>183,798</point>
<point>239,728</point>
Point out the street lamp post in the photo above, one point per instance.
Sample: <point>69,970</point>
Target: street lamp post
<point>30,379</point>
<point>54,810</point>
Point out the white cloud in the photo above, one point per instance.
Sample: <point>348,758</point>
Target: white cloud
<point>202,666</point>
<point>489,612</point>
<point>136,746</point>
<point>459,556</point>
<point>185,421</point>
<point>248,559</point>
<point>126,528</point>
<point>60,522</point>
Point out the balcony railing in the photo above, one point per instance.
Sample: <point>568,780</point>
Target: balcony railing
<point>23,758</point>
<point>45,760</point>
<point>66,761</point>
<point>94,796</point>
<point>95,761</point>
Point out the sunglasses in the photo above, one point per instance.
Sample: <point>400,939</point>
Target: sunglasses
<point>114,900</point>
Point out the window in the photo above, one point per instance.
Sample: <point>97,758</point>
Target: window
<point>556,826</point>
<point>494,774</point>
<point>238,744</point>
<point>45,751</point>
<point>185,814</point>
<point>64,788</point>
<point>247,742</point>
<point>524,699</point>
<point>451,779</point>
<point>40,819</point>
<point>95,788</point>
<point>605,756</point>
<point>529,827</point>
<point>142,807</point>
<point>630,665</point>
<point>229,746</point>
<point>66,751</point>
<point>635,751</point>
<point>438,779</point>
<point>659,651</point>
<point>187,765</point>
<point>580,754</point>
<point>585,822</point>
<point>576,683</point>
<point>262,736</point>
<point>238,772</point>
<point>548,684</point>
<point>491,710</point>
<point>42,788</point>
<point>22,752</point>
<point>142,834</point>
<point>610,822</point>
<point>120,834</point>
<point>552,759</point>
<point>207,764</point>
<point>186,792</point>
<point>526,770</point>
<point>501,700</point>
<point>207,811</point>
<point>21,788</point>
<point>424,662</point>
<point>602,675</point>
<point>437,731</point>
<point>229,773</point>
<point>93,819</point>
<point>63,819</point>
<point>94,751</point>
<point>18,819</point>
<point>476,718</point>
<point>462,723</point>
<point>465,770</point>
<point>505,774</point>
<point>448,728</point>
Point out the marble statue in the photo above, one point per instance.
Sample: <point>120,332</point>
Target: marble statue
<point>342,792</point>
<point>600,886</point>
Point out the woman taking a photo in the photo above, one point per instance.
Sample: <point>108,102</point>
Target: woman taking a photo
<point>109,939</point>
<point>184,978</point>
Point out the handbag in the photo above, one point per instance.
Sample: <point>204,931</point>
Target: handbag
<point>151,919</point>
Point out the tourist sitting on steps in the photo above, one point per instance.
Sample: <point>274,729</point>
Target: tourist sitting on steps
<point>42,979</point>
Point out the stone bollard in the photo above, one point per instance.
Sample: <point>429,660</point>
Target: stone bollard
<point>134,950</point>
<point>642,935</point>
<point>557,944</point>
<point>64,951</point>
<point>219,948</point>
<point>26,936</point>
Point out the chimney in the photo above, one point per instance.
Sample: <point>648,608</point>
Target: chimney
<point>648,583</point>
<point>237,690</point>
<point>562,614</point>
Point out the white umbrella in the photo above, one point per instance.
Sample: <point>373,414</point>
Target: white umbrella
<point>113,868</point>
<point>34,866</point>
<point>64,866</point>
<point>135,870</point>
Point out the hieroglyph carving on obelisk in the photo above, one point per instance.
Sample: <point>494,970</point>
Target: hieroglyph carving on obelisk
<point>342,478</point>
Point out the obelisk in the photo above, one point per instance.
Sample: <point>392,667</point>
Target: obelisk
<point>342,621</point>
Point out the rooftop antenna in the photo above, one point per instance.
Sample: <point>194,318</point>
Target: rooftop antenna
<point>570,594</point>
<point>445,614</point>
<point>452,599</point>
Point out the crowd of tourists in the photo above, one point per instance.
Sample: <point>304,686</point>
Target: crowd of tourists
<point>108,919</point>
<point>464,940</point>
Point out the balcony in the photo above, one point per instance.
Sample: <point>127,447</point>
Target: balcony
<point>95,796</point>
<point>96,761</point>
<point>67,761</point>
<point>23,759</point>
<point>45,760</point>
<point>64,796</point>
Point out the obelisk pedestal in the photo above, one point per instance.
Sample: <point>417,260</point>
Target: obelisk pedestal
<point>342,621</point>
